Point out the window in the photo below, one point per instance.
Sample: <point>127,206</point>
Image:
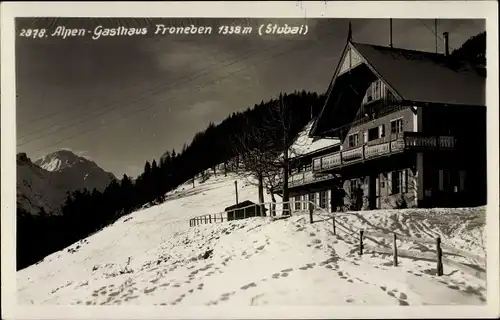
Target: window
<point>396,126</point>
<point>373,134</point>
<point>451,180</point>
<point>390,95</point>
<point>297,202</point>
<point>396,182</point>
<point>353,140</point>
<point>322,199</point>
<point>374,92</point>
<point>399,181</point>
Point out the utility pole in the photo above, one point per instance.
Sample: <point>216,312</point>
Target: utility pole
<point>436,33</point>
<point>286,197</point>
<point>236,189</point>
<point>390,32</point>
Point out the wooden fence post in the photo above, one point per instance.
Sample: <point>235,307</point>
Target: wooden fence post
<point>221,217</point>
<point>395,251</point>
<point>360,242</point>
<point>205,219</point>
<point>439,257</point>
<point>334,228</point>
<point>209,218</point>
<point>311,214</point>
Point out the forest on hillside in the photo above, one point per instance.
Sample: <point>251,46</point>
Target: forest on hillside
<point>86,212</point>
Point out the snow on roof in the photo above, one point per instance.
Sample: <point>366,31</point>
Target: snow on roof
<point>304,144</point>
<point>424,76</point>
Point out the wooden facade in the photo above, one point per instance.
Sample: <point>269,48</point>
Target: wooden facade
<point>426,151</point>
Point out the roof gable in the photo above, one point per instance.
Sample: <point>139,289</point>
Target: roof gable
<point>416,76</point>
<point>349,60</point>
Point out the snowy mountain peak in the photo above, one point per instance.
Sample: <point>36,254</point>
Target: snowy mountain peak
<point>60,160</point>
<point>45,183</point>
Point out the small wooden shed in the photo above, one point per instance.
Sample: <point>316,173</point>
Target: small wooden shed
<point>251,210</point>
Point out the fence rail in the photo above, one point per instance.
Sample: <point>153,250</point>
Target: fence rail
<point>275,209</point>
<point>359,235</point>
<point>438,254</point>
<point>253,210</point>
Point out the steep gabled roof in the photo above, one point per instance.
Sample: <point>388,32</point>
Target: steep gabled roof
<point>414,76</point>
<point>424,76</point>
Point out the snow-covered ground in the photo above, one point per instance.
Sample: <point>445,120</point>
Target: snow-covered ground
<point>153,257</point>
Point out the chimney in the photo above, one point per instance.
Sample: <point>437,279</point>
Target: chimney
<point>446,44</point>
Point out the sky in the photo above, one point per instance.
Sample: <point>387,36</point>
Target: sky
<point>126,99</point>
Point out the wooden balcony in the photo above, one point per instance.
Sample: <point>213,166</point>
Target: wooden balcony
<point>306,177</point>
<point>391,144</point>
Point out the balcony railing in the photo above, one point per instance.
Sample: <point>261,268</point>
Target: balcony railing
<point>306,177</point>
<point>381,147</point>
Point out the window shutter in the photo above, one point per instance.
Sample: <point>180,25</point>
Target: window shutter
<point>389,183</point>
<point>404,181</point>
<point>381,131</point>
<point>441,180</point>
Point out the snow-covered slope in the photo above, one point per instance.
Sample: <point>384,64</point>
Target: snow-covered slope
<point>152,256</point>
<point>44,183</point>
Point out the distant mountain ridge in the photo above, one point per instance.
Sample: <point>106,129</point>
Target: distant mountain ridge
<point>44,183</point>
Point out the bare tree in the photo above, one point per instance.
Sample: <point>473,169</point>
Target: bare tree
<point>256,157</point>
<point>264,151</point>
<point>273,179</point>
